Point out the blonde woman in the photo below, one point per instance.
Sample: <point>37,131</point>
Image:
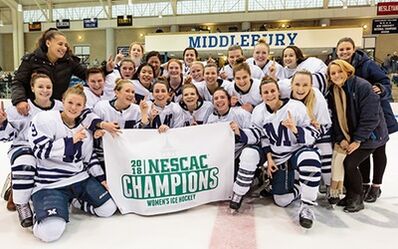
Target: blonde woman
<point>359,127</point>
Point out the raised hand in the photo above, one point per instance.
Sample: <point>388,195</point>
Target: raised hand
<point>187,80</point>
<point>144,107</point>
<point>223,75</point>
<point>153,113</point>
<point>110,64</point>
<point>290,123</point>
<point>118,57</point>
<point>272,70</point>
<point>234,100</point>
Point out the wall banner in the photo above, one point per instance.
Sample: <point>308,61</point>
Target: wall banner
<point>312,38</point>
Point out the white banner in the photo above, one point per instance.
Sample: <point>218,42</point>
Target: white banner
<point>150,173</point>
<point>312,38</point>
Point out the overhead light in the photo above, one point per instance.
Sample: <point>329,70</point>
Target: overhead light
<point>272,52</point>
<point>283,25</point>
<point>19,7</point>
<point>365,26</point>
<point>324,25</point>
<point>141,35</point>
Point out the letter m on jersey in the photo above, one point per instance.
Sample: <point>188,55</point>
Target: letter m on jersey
<point>278,138</point>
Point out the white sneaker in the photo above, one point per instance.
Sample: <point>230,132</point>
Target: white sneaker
<point>306,215</point>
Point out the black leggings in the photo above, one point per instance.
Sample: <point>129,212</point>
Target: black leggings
<point>352,175</point>
<point>379,165</point>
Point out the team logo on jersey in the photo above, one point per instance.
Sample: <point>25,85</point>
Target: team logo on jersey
<point>171,179</point>
<point>52,212</point>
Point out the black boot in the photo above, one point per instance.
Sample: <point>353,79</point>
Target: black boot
<point>355,205</point>
<point>365,188</point>
<point>373,194</point>
<point>345,201</point>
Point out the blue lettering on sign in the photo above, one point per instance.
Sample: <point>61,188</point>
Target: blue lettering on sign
<point>244,40</point>
<point>223,41</point>
<point>204,41</point>
<point>255,38</point>
<point>194,42</point>
<point>213,41</point>
<point>279,40</point>
<point>232,40</point>
<point>292,37</point>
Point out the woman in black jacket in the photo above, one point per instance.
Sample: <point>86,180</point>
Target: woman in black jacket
<point>53,58</point>
<point>370,71</point>
<point>359,128</point>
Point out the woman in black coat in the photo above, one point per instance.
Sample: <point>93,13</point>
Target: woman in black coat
<point>52,57</point>
<point>359,128</point>
<point>370,71</point>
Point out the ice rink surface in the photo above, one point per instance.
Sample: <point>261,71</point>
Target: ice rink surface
<point>259,224</point>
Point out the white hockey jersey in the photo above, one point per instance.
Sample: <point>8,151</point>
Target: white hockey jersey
<point>16,128</point>
<point>256,72</point>
<point>92,98</point>
<point>110,82</point>
<point>321,112</point>
<point>276,138</point>
<point>204,91</point>
<point>60,162</point>
<point>240,116</point>
<point>127,118</point>
<point>170,115</point>
<point>279,68</point>
<point>198,116</point>
<point>176,94</point>
<point>314,65</point>
<point>252,96</point>
<point>141,92</point>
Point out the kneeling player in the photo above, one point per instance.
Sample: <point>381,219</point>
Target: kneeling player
<point>67,168</point>
<point>286,135</point>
